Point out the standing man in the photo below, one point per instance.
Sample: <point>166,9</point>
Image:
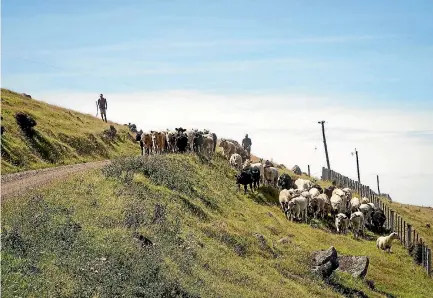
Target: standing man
<point>102,104</point>
<point>246,144</point>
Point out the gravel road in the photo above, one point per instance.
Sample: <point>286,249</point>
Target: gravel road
<point>19,183</point>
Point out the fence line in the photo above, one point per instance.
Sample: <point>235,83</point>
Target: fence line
<point>394,222</point>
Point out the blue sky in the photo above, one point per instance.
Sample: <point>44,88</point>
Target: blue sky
<point>365,58</point>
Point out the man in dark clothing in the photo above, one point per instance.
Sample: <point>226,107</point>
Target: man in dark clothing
<point>246,144</point>
<point>102,104</point>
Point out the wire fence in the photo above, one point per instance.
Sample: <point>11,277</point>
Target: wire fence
<point>408,236</point>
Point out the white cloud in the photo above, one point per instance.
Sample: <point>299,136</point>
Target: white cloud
<point>396,144</point>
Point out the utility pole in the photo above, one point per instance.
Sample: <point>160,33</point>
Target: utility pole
<point>357,166</point>
<point>378,188</point>
<point>324,142</point>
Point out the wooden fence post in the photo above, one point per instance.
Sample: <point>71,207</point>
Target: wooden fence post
<point>429,261</point>
<point>404,233</point>
<point>391,223</point>
<point>409,235</point>
<point>401,231</point>
<point>422,253</point>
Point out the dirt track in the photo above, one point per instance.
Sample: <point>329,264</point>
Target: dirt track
<point>19,183</point>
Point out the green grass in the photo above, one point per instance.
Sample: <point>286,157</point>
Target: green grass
<point>61,136</point>
<point>418,217</point>
<point>204,234</point>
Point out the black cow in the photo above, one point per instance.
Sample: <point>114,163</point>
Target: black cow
<point>378,218</point>
<point>138,138</point>
<point>244,178</point>
<point>255,173</point>
<point>197,141</point>
<point>181,139</point>
<point>285,181</point>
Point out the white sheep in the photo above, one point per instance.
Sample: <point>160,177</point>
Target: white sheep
<point>354,204</point>
<point>343,197</point>
<point>284,199</point>
<point>372,206</point>
<point>314,192</point>
<point>367,211</point>
<point>385,242</point>
<point>341,223</point>
<point>357,223</point>
<point>317,205</point>
<point>236,161</point>
<point>303,184</point>
<point>336,204</point>
<point>297,207</point>
<point>271,175</point>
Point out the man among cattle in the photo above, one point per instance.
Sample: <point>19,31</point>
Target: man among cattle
<point>246,144</point>
<point>102,104</point>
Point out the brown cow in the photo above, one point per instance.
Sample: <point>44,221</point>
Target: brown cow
<point>229,148</point>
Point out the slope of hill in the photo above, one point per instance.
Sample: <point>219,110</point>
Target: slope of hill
<point>61,136</point>
<point>76,239</point>
<point>419,217</point>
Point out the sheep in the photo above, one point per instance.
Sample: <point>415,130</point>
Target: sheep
<point>343,196</point>
<point>357,223</point>
<point>317,205</point>
<point>328,191</point>
<point>314,192</point>
<point>354,204</point>
<point>326,206</point>
<point>365,200</point>
<point>303,184</point>
<point>297,207</point>
<point>336,205</point>
<point>385,242</point>
<point>367,211</point>
<point>271,175</point>
<point>236,161</point>
<point>341,223</point>
<point>284,198</point>
<point>348,193</point>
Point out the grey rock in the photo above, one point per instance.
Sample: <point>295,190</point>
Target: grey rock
<point>357,266</point>
<point>297,170</point>
<point>324,262</point>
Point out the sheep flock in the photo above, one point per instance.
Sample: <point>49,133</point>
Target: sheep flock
<point>300,199</point>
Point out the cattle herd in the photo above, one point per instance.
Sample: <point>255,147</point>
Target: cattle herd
<point>180,140</point>
<point>299,200</point>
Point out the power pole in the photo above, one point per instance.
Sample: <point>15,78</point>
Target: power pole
<point>378,188</point>
<point>357,166</point>
<point>324,142</point>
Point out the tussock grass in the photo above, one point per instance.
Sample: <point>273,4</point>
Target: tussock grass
<point>209,240</point>
<point>60,137</point>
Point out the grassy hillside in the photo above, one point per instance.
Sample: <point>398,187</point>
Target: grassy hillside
<point>417,216</point>
<point>76,239</point>
<point>62,136</point>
